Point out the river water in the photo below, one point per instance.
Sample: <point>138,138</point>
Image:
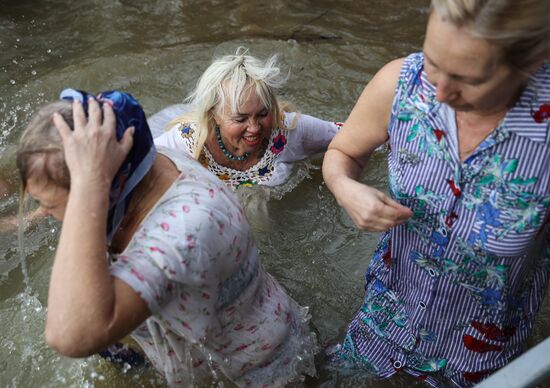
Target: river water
<point>156,50</point>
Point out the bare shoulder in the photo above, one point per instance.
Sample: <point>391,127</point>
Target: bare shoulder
<point>366,127</point>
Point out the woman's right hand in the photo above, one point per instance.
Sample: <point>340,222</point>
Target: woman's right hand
<point>92,152</point>
<point>369,208</point>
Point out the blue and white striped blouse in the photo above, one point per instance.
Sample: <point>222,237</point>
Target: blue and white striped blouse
<point>451,295</point>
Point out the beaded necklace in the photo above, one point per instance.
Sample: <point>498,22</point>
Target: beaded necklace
<point>226,152</point>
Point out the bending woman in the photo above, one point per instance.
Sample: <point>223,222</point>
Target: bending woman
<point>184,276</point>
<point>462,266</point>
<point>238,129</point>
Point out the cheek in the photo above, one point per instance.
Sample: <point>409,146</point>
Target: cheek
<point>267,122</point>
<point>231,129</point>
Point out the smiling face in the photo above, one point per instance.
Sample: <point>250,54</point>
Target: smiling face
<point>468,72</point>
<point>51,197</point>
<point>246,129</point>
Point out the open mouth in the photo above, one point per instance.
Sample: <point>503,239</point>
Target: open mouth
<point>252,140</point>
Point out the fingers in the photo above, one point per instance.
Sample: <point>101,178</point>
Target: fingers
<point>94,112</point>
<point>109,117</point>
<point>382,213</point>
<point>79,116</point>
<point>127,140</point>
<point>62,126</point>
<point>397,211</point>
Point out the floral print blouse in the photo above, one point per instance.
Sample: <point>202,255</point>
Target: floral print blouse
<point>215,310</point>
<point>451,295</point>
<point>286,146</point>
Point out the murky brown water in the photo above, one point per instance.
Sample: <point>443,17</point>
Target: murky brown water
<point>156,51</point>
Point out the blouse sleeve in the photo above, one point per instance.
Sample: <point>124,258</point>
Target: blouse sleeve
<point>171,139</point>
<point>314,134</point>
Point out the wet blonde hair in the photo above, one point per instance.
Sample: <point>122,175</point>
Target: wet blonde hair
<point>40,151</point>
<point>227,82</point>
<point>520,28</point>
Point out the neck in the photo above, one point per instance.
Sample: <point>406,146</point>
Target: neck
<point>147,193</point>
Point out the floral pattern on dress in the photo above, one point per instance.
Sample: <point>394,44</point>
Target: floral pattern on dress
<point>469,243</point>
<point>215,309</point>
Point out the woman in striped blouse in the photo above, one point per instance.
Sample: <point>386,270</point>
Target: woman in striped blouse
<point>463,261</point>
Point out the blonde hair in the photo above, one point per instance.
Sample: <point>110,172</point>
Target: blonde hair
<point>227,82</point>
<point>520,28</point>
<point>40,150</point>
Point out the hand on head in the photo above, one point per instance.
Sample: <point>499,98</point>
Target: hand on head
<point>92,152</point>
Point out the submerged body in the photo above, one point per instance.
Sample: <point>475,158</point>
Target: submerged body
<point>309,136</point>
<point>185,277</point>
<point>215,309</point>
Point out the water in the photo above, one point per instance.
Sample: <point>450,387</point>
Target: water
<point>156,51</point>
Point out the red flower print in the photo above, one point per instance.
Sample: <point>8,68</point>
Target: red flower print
<point>542,114</point>
<point>252,329</point>
<point>454,188</point>
<point>493,332</point>
<point>186,325</point>
<point>242,347</point>
<point>137,274</point>
<point>479,346</point>
<point>439,134</point>
<point>279,142</point>
<point>165,226</point>
<point>238,327</point>
<point>475,377</point>
<point>387,256</point>
<point>185,208</point>
<point>450,219</point>
<point>211,193</point>
<point>156,249</point>
<point>197,363</point>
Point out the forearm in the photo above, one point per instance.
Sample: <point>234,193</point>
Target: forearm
<point>339,169</point>
<point>81,295</point>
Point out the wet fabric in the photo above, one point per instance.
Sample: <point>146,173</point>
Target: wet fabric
<point>216,311</point>
<point>451,295</point>
<point>139,160</point>
<point>309,137</point>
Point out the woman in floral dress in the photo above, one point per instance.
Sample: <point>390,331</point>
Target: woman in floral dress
<point>463,261</point>
<point>184,279</point>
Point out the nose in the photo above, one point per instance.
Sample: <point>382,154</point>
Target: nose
<point>445,91</point>
<point>254,125</point>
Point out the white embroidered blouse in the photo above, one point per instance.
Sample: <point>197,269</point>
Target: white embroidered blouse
<point>286,146</point>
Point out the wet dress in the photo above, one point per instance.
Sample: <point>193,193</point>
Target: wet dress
<point>451,295</point>
<point>215,309</point>
<point>285,147</point>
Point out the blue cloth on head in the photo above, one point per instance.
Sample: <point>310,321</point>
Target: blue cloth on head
<point>139,160</point>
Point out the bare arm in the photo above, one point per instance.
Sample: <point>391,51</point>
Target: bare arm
<point>87,308</point>
<point>349,152</point>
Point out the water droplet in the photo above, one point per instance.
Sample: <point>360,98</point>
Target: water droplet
<point>14,61</point>
<point>33,72</point>
<point>12,81</point>
<point>18,40</point>
<point>49,51</point>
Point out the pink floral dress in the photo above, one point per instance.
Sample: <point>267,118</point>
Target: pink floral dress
<point>215,310</point>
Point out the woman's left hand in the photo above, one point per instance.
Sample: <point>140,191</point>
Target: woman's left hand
<point>92,152</point>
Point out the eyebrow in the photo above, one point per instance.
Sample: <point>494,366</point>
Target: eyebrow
<point>456,76</point>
